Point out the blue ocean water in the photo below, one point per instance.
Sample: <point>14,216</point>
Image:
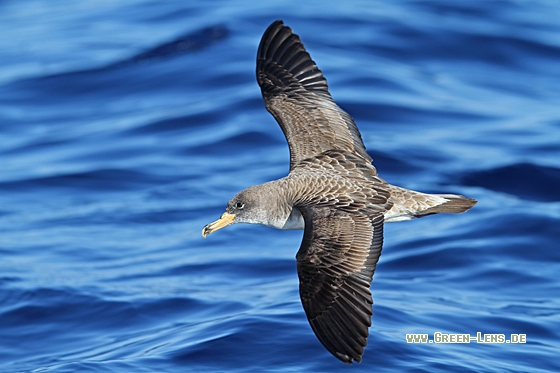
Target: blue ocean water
<point>126,125</point>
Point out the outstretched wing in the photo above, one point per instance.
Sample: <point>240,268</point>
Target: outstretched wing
<point>336,262</point>
<point>296,94</point>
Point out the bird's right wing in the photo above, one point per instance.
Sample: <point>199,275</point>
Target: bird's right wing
<point>295,92</point>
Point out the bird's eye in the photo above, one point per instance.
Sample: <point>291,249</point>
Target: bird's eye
<point>239,205</point>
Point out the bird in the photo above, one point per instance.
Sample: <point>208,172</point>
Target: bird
<point>332,192</point>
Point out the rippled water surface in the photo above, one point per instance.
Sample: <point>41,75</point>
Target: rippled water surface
<point>125,126</point>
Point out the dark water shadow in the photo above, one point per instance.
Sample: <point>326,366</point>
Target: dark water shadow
<point>524,180</point>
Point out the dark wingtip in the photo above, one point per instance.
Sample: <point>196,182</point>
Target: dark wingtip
<point>282,60</point>
<point>269,34</point>
<point>344,358</point>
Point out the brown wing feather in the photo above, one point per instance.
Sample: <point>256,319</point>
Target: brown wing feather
<point>296,93</point>
<point>336,262</point>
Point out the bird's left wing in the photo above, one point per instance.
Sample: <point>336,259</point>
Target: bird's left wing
<point>336,262</point>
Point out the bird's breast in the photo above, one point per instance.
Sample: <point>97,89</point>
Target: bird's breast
<point>294,221</point>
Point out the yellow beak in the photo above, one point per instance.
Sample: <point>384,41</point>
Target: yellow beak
<point>222,222</point>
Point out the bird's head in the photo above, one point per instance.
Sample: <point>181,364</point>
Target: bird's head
<point>251,205</point>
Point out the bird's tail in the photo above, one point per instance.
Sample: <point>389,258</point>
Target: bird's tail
<point>409,204</point>
<point>453,204</point>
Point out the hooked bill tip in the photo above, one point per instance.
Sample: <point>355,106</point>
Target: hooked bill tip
<point>225,220</point>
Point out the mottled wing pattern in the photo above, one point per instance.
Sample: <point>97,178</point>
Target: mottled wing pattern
<point>336,262</point>
<point>296,94</point>
<point>342,202</point>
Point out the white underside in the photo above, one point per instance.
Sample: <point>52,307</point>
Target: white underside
<point>401,213</point>
<point>397,213</point>
<point>294,221</point>
<point>394,218</point>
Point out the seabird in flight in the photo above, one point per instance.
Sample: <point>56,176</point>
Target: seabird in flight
<point>332,192</point>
